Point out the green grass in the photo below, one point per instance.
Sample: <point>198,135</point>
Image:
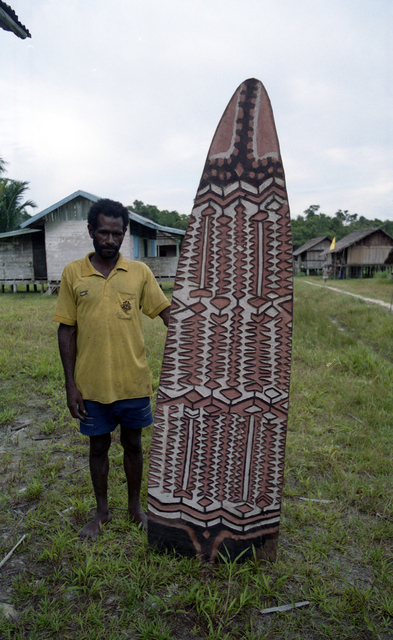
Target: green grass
<point>380,287</point>
<point>336,534</point>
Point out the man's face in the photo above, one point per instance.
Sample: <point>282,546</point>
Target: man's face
<point>107,237</point>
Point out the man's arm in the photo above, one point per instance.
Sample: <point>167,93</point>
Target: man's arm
<point>165,313</point>
<point>67,347</point>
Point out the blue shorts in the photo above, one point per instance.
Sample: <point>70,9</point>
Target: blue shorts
<point>104,418</point>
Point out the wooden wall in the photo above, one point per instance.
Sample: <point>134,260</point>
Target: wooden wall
<point>162,267</point>
<point>373,249</point>
<point>70,240</point>
<point>65,241</point>
<point>312,259</point>
<point>16,258</point>
<point>367,255</point>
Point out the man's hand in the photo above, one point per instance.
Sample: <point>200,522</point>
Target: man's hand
<point>75,402</point>
<point>165,313</point>
<point>67,347</point>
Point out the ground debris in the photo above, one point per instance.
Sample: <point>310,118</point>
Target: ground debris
<point>285,607</point>
<point>316,500</point>
<point>9,554</point>
<point>9,611</point>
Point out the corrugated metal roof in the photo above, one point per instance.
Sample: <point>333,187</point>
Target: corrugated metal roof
<point>154,225</point>
<point>19,232</point>
<point>9,21</point>
<point>311,243</point>
<point>89,196</point>
<point>55,206</point>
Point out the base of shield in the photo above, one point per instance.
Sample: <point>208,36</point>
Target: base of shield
<point>213,544</point>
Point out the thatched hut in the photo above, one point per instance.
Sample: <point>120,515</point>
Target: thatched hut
<point>309,257</point>
<point>360,253</point>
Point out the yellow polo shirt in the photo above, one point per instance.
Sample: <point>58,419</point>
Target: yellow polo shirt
<point>111,360</point>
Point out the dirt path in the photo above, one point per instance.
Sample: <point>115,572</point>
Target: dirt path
<point>382,303</point>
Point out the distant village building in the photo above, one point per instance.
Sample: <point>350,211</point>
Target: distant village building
<point>309,258</point>
<point>38,252</point>
<point>389,259</point>
<point>360,254</point>
<point>22,256</point>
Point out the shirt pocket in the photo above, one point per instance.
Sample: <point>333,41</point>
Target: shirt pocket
<point>125,305</point>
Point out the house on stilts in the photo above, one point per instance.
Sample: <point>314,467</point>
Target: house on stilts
<point>359,254</point>
<point>36,254</point>
<point>308,258</point>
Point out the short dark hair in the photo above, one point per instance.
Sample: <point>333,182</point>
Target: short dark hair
<point>109,208</point>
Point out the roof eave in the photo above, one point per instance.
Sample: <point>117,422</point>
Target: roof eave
<point>89,196</point>
<point>307,247</point>
<point>8,23</point>
<point>18,232</point>
<point>42,214</point>
<point>135,217</point>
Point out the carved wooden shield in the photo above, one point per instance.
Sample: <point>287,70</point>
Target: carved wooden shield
<point>217,455</point>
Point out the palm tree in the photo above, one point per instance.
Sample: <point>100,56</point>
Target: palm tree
<point>12,210</point>
<point>2,165</point>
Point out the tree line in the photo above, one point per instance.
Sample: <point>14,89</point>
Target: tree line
<point>313,222</point>
<point>165,218</point>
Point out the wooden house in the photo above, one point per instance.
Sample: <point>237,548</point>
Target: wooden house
<point>309,257</point>
<point>360,253</point>
<point>22,257</point>
<point>156,245</point>
<point>389,259</point>
<point>38,252</point>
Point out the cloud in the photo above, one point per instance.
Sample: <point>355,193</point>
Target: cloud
<point>123,100</point>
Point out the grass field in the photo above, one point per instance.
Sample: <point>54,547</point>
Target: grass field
<point>336,535</point>
<point>378,288</point>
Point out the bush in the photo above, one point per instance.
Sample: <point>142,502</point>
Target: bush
<point>383,277</point>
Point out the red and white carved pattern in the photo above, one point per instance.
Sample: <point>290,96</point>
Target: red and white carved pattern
<point>217,454</point>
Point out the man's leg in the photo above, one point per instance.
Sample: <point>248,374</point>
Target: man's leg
<point>99,468</point>
<point>131,440</point>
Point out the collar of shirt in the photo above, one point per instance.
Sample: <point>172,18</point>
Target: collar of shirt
<point>88,269</point>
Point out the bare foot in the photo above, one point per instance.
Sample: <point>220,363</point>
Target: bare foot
<point>93,528</point>
<point>139,517</point>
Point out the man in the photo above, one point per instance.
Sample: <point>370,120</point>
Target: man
<point>102,350</point>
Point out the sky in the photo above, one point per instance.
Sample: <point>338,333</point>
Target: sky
<point>121,99</point>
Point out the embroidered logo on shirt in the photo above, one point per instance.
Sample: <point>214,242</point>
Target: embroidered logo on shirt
<point>126,305</point>
<point>84,293</point>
